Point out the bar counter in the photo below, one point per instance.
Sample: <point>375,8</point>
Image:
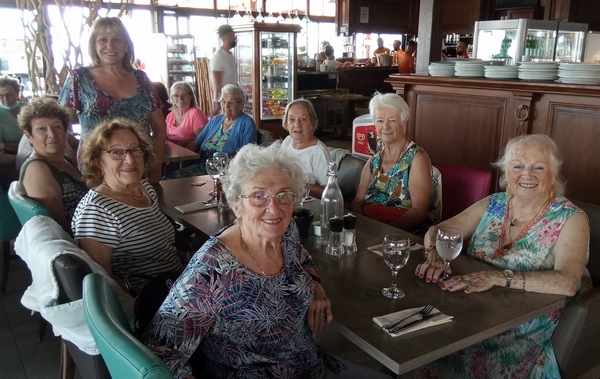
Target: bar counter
<point>366,80</point>
<point>468,121</point>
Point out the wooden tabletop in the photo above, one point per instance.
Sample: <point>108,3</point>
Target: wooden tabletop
<point>176,153</point>
<point>353,284</point>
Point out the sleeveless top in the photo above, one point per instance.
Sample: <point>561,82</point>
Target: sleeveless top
<point>72,189</point>
<point>391,188</point>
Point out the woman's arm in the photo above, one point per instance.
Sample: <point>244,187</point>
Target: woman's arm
<point>570,256</point>
<point>419,187</point>
<point>102,255</point>
<point>361,192</point>
<point>466,221</point>
<point>199,121</point>
<point>40,185</point>
<point>159,134</point>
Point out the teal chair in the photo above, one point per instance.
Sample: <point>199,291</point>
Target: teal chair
<point>24,207</point>
<point>125,356</point>
<point>9,229</point>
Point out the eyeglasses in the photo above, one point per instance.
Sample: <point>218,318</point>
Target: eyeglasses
<point>119,154</point>
<point>262,199</point>
<point>230,103</point>
<point>182,96</point>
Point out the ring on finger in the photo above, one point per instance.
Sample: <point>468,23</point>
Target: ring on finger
<point>468,284</point>
<point>323,314</point>
<point>459,278</point>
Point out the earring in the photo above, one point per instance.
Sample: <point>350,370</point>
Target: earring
<point>507,191</point>
<point>551,194</point>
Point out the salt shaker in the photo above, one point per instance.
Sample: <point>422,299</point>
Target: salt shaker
<point>334,246</point>
<point>349,233</point>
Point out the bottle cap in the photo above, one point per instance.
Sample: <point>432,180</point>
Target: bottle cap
<point>349,221</point>
<point>336,225</point>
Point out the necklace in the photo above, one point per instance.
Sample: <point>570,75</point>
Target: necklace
<point>499,253</point>
<point>245,246</point>
<point>126,194</point>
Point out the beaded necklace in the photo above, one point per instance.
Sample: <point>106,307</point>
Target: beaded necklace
<point>499,253</point>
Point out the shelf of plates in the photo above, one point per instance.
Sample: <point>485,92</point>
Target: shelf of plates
<point>266,58</point>
<point>181,59</point>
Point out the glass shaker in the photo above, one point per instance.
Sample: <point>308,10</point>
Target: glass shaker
<point>221,198</point>
<point>335,246</point>
<point>349,233</point>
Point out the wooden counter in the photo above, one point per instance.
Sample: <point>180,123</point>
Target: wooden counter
<point>467,122</point>
<point>366,80</point>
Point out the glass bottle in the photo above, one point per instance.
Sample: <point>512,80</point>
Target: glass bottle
<point>332,202</point>
<point>335,246</point>
<point>349,233</point>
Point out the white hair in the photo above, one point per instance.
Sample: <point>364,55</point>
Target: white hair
<point>389,100</point>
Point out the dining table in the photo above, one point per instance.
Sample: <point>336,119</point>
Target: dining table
<point>353,283</point>
<point>175,153</point>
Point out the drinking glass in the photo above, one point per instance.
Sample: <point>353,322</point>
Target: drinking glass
<point>448,243</point>
<point>223,161</point>
<point>305,195</point>
<point>396,251</point>
<point>212,169</point>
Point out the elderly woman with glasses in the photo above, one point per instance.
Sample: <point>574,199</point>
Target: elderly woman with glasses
<point>186,119</point>
<point>118,223</point>
<point>250,299</point>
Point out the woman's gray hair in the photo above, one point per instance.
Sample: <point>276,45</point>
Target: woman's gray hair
<point>104,24</point>
<point>190,91</point>
<point>250,160</point>
<point>6,81</point>
<point>389,100</point>
<point>309,107</point>
<point>234,90</point>
<point>541,141</point>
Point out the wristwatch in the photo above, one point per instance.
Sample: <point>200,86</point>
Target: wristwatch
<point>509,275</point>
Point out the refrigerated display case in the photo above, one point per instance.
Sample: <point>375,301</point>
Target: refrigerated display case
<point>538,40</point>
<point>267,65</point>
<point>181,56</point>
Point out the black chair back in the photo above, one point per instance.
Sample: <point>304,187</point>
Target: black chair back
<point>349,176</point>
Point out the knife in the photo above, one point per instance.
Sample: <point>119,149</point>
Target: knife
<point>425,318</point>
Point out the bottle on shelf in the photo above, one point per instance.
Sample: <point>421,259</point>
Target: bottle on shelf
<point>332,202</point>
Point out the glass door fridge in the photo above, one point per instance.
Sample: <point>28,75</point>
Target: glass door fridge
<point>512,41</point>
<point>267,65</point>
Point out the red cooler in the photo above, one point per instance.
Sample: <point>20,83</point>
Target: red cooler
<point>364,136</point>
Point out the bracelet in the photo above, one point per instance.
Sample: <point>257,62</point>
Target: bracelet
<point>315,278</point>
<point>523,276</point>
<point>428,250</point>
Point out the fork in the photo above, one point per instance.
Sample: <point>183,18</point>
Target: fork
<point>423,312</point>
<point>209,201</point>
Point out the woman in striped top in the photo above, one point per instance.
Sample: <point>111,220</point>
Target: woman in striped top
<point>118,223</point>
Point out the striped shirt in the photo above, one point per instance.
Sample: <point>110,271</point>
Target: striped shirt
<point>142,239</point>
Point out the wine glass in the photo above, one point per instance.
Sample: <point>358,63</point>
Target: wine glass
<point>448,244</point>
<point>212,169</point>
<point>305,195</point>
<point>396,251</point>
<point>223,161</point>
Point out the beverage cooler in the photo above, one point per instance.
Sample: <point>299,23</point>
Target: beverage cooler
<point>512,41</point>
<point>266,59</point>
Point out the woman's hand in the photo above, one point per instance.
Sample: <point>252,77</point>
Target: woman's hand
<point>319,311</point>
<point>432,268</point>
<point>475,282</point>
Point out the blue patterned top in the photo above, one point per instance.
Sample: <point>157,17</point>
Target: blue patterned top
<point>93,105</point>
<point>247,325</point>
<point>526,350</point>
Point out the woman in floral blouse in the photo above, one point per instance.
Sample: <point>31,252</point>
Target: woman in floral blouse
<point>250,299</point>
<point>537,240</point>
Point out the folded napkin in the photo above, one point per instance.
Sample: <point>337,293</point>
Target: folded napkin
<point>195,206</point>
<point>309,199</point>
<point>389,318</point>
<point>377,248</point>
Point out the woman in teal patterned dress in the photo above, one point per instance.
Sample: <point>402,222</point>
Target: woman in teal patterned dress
<point>396,185</point>
<point>537,240</point>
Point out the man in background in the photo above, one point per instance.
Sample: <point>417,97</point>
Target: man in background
<point>380,49</point>
<point>222,65</point>
<point>406,61</point>
<point>461,49</point>
<point>396,46</point>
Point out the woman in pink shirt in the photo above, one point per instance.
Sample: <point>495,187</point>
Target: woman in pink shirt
<point>186,120</point>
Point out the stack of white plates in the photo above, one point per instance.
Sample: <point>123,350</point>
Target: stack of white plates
<point>441,69</point>
<point>501,72</point>
<point>538,71</point>
<point>470,68</point>
<point>579,73</point>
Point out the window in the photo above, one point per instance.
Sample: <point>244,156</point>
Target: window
<point>322,8</point>
<point>204,30</point>
<point>286,6</point>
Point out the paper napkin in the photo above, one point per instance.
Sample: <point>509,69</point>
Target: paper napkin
<point>377,248</point>
<point>389,318</point>
<point>195,206</point>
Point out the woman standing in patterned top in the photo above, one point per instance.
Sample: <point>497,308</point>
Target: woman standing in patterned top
<point>537,240</point>
<point>396,185</point>
<point>111,87</point>
<point>47,177</point>
<point>250,299</point>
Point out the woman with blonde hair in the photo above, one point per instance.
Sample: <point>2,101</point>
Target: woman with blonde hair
<point>186,119</point>
<point>112,87</point>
